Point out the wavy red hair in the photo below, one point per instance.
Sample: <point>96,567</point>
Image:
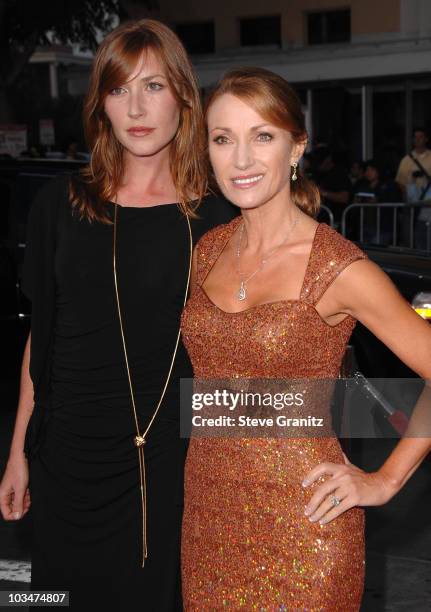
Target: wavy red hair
<point>277,102</point>
<point>115,60</point>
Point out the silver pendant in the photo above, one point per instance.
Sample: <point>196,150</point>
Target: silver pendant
<point>242,294</point>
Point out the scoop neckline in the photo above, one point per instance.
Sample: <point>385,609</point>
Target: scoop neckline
<point>232,227</point>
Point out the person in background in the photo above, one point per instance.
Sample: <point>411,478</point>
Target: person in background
<point>333,182</point>
<point>33,151</point>
<point>377,185</point>
<point>307,165</point>
<point>356,171</point>
<point>72,150</point>
<point>414,178</point>
<point>414,171</point>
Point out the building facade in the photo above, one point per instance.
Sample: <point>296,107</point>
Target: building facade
<point>361,67</point>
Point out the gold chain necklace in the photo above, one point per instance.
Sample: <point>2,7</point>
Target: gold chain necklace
<point>140,439</point>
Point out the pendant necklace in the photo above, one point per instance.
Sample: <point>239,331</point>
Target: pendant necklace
<point>242,291</point>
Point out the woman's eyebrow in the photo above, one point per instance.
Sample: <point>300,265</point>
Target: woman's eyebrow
<point>252,129</point>
<point>257,127</point>
<point>153,76</point>
<point>225,129</point>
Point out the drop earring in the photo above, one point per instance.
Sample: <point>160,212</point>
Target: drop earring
<point>294,175</point>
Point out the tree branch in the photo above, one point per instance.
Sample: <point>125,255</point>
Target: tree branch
<point>21,60</point>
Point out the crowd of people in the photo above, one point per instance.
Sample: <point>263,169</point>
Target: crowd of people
<point>372,182</point>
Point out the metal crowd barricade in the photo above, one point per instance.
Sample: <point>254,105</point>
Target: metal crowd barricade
<point>411,208</point>
<point>327,212</point>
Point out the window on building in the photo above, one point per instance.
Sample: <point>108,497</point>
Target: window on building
<point>260,31</point>
<point>197,37</point>
<point>328,27</point>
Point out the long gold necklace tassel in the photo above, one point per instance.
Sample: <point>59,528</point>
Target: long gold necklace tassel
<point>140,439</point>
<point>144,503</point>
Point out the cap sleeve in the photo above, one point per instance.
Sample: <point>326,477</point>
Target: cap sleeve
<point>331,255</point>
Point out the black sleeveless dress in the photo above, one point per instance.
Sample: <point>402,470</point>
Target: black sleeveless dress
<point>84,479</point>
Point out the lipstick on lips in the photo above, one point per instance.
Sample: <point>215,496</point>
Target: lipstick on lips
<point>246,181</point>
<point>140,130</point>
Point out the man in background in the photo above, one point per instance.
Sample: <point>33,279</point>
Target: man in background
<point>414,171</point>
<point>414,178</point>
<point>333,182</point>
<point>377,185</point>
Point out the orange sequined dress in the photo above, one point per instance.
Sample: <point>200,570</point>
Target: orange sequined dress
<point>246,543</point>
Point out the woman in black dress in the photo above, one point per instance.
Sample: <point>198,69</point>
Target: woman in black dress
<point>107,515</point>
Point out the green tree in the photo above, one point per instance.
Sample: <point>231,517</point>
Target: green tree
<point>24,24</point>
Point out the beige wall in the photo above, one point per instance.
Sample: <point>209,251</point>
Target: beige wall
<point>369,17</point>
<point>376,16</point>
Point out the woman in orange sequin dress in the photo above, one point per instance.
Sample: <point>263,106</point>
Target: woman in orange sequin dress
<point>275,523</point>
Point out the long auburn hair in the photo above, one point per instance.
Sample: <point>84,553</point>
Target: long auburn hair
<point>113,64</point>
<point>277,102</point>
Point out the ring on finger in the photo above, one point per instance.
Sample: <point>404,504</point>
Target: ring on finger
<point>335,501</point>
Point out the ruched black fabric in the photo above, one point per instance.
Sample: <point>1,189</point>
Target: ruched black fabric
<point>84,477</point>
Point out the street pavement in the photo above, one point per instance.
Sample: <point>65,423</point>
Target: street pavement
<point>398,535</point>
